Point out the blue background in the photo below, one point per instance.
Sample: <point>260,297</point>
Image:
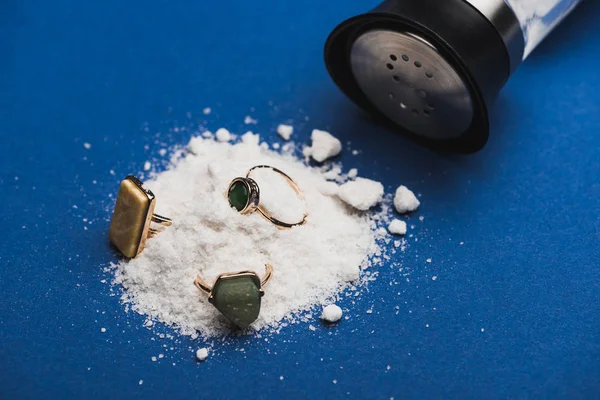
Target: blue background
<point>527,209</point>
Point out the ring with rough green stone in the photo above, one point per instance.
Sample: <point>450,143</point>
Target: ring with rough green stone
<point>244,195</point>
<point>237,295</point>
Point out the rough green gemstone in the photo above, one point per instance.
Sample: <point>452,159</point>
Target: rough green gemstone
<point>238,299</point>
<point>238,195</point>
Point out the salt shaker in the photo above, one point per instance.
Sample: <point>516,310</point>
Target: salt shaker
<point>431,69</point>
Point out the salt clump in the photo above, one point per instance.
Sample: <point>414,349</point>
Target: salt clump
<point>405,200</point>
<point>223,135</point>
<point>397,227</point>
<point>361,193</point>
<point>202,354</point>
<point>331,313</point>
<point>324,146</point>
<point>285,131</point>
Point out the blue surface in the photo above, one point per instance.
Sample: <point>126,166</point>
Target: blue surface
<point>527,209</point>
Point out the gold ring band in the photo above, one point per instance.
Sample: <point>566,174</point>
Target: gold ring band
<point>207,289</point>
<point>244,194</point>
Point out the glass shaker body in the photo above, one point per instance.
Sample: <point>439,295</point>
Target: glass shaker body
<point>539,17</point>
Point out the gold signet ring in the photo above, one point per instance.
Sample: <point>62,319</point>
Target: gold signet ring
<point>132,217</point>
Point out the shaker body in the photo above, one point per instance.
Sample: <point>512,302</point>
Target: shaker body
<point>539,17</point>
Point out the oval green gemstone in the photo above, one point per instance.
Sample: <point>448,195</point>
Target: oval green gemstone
<point>238,195</point>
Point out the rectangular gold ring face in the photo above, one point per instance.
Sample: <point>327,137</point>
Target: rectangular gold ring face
<point>131,218</point>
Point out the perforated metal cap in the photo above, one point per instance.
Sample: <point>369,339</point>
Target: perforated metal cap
<point>428,69</point>
<point>407,79</point>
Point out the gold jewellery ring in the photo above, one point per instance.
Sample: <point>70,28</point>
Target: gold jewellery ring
<point>244,195</point>
<point>131,221</point>
<point>237,295</point>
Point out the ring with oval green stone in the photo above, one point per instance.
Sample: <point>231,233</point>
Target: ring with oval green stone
<point>237,295</point>
<point>244,195</point>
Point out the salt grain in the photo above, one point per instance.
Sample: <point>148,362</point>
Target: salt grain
<point>352,173</point>
<point>202,354</point>
<point>147,166</point>
<point>405,200</point>
<point>249,120</point>
<point>206,111</point>
<point>223,135</point>
<point>397,227</point>
<point>102,330</point>
<point>285,131</point>
<point>331,313</point>
<point>87,146</point>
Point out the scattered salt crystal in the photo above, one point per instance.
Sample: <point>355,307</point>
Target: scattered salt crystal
<point>102,330</point>
<point>285,131</point>
<point>112,172</point>
<point>161,355</point>
<point>312,328</point>
<point>249,120</point>
<point>202,354</point>
<point>223,135</point>
<point>428,260</point>
<point>206,111</point>
<point>147,166</point>
<point>482,330</point>
<point>276,146</point>
<point>331,313</point>
<point>281,378</point>
<point>352,173</point>
<point>334,173</point>
<point>361,193</point>
<point>397,227</point>
<point>334,381</point>
<point>153,358</point>
<point>162,152</point>
<point>405,200</point>
<point>324,145</point>
<point>421,218</point>
<point>141,381</point>
<point>307,151</point>
<point>250,138</point>
<point>433,278</point>
<point>87,146</point>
